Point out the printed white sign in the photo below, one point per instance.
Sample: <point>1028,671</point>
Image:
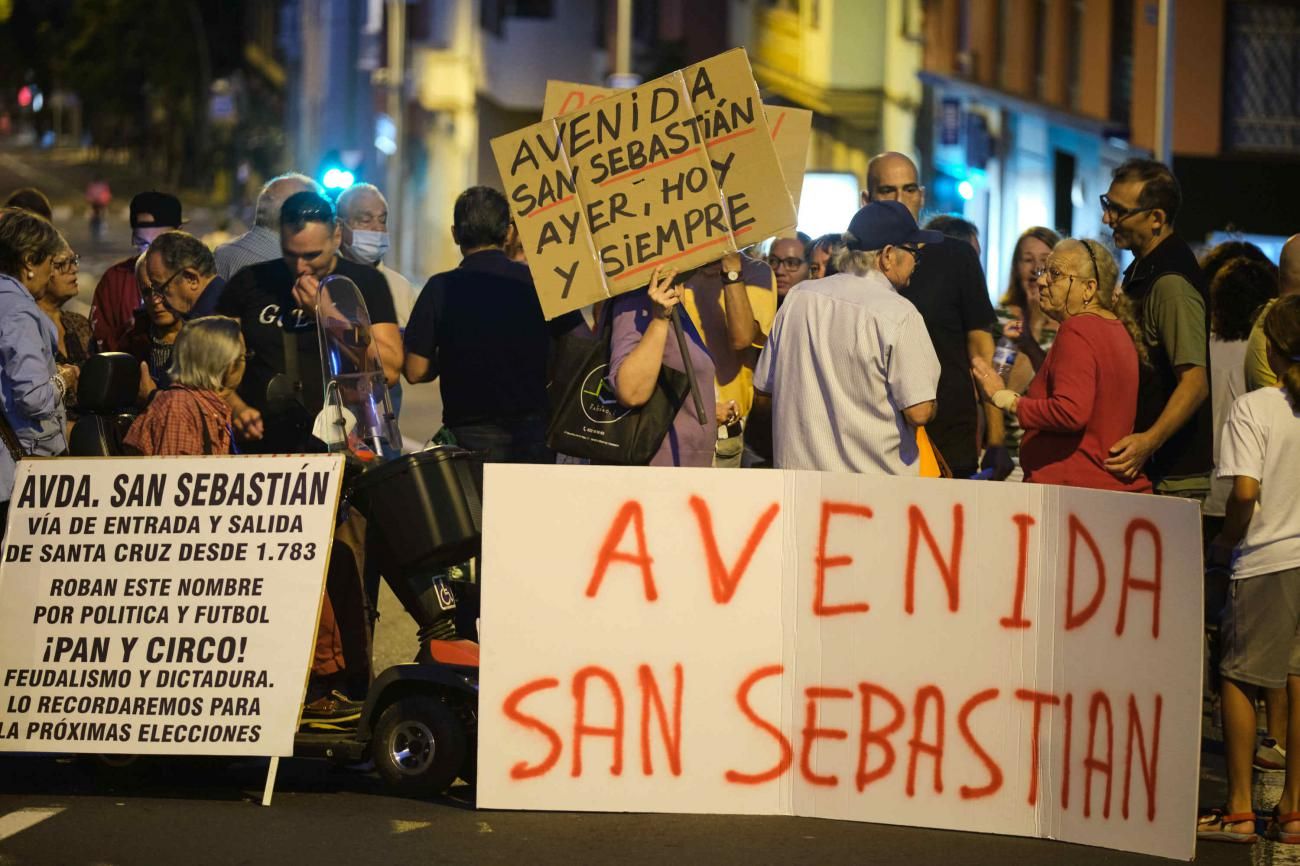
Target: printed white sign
<point>165,605</point>
<point>999,658</point>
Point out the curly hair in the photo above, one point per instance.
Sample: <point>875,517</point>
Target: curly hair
<point>1282,327</point>
<point>1240,289</point>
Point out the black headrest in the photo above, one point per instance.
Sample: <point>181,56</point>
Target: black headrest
<point>109,382</point>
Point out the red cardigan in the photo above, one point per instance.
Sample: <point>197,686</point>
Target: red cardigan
<point>1083,400</point>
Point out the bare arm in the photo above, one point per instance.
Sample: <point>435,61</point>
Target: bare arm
<point>1131,453</point>
<point>388,339</point>
<point>742,328</point>
<point>635,382</point>
<point>920,414</point>
<point>979,344</point>
<point>1239,509</point>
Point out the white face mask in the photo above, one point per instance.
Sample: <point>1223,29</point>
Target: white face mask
<point>369,246</point>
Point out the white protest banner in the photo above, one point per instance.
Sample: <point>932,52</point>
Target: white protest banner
<point>162,605</point>
<point>999,658</point>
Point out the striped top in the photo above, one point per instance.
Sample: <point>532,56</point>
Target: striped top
<point>258,244</point>
<point>846,355</point>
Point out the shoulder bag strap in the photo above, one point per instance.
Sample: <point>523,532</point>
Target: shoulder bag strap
<point>10,439</point>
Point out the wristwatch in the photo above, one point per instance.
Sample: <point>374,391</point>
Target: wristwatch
<point>731,276</point>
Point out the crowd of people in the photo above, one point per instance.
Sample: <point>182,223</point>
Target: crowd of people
<point>870,351</point>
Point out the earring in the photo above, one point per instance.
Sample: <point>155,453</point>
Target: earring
<point>31,275</point>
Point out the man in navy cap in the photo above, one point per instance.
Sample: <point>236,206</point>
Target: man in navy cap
<point>117,297</point>
<point>849,369</point>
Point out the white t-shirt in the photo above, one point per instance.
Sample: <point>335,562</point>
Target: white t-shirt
<point>1261,440</point>
<point>1228,380</point>
<point>846,355</point>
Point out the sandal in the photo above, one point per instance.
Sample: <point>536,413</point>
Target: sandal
<point>1275,831</point>
<point>1214,824</point>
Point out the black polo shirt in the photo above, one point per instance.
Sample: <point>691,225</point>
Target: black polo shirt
<point>482,329</point>
<point>260,296</point>
<point>949,291</point>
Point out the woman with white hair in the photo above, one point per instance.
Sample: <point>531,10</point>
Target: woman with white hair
<point>192,415</point>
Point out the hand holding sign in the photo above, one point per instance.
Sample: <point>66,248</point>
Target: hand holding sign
<point>665,295</point>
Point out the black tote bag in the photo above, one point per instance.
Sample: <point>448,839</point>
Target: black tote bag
<point>586,418</point>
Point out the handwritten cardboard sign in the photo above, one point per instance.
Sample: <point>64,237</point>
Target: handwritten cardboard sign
<point>162,606</point>
<point>791,128</point>
<point>679,170</point>
<point>1000,658</point>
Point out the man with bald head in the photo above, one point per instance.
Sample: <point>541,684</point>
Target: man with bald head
<point>1258,372</point>
<point>949,291</point>
<point>261,243</point>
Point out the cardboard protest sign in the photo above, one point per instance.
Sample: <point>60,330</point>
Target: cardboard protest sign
<point>1000,658</point>
<point>791,128</point>
<point>677,171</point>
<point>162,606</point>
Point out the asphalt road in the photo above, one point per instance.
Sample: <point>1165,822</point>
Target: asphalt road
<point>207,812</point>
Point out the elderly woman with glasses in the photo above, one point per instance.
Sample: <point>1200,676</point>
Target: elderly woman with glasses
<point>1084,397</point>
<point>32,384</point>
<point>74,329</point>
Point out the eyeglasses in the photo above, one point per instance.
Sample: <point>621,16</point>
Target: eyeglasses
<point>911,248</point>
<point>790,263</point>
<point>1118,211</point>
<point>159,289</point>
<point>68,264</point>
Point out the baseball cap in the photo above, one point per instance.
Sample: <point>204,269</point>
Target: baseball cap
<point>155,209</point>
<point>887,223</point>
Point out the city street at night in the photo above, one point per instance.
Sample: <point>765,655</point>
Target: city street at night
<point>731,432</point>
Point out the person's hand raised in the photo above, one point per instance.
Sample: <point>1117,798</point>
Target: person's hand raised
<point>663,294</point>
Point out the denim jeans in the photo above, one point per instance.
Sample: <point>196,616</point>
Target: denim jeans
<point>520,440</point>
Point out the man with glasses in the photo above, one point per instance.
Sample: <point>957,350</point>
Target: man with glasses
<point>949,291</point>
<point>1174,438</point>
<point>181,270</point>
<point>117,297</point>
<point>849,372</point>
<point>788,258</point>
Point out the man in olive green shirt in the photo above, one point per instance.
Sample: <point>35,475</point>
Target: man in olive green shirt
<point>1258,373</point>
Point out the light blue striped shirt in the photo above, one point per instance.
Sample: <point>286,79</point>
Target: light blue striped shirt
<point>258,244</point>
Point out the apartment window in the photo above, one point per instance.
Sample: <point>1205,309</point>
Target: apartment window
<point>492,14</point>
<point>1262,87</point>
<point>1074,68</point>
<point>531,9</point>
<point>1121,58</point>
<point>1041,49</point>
<point>965,59</point>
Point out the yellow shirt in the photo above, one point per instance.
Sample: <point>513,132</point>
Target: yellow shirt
<point>1258,373</point>
<point>704,301</point>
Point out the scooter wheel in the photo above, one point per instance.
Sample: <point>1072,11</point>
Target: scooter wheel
<point>418,746</point>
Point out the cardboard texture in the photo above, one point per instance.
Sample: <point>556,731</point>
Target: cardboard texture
<point>997,658</point>
<point>677,172</point>
<point>791,128</point>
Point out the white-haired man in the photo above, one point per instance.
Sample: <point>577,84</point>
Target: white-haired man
<point>363,218</point>
<point>849,371</point>
<point>261,243</point>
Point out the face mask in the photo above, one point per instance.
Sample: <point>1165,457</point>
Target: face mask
<point>369,246</point>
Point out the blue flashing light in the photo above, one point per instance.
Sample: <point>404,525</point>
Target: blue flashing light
<point>966,190</point>
<point>339,178</point>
